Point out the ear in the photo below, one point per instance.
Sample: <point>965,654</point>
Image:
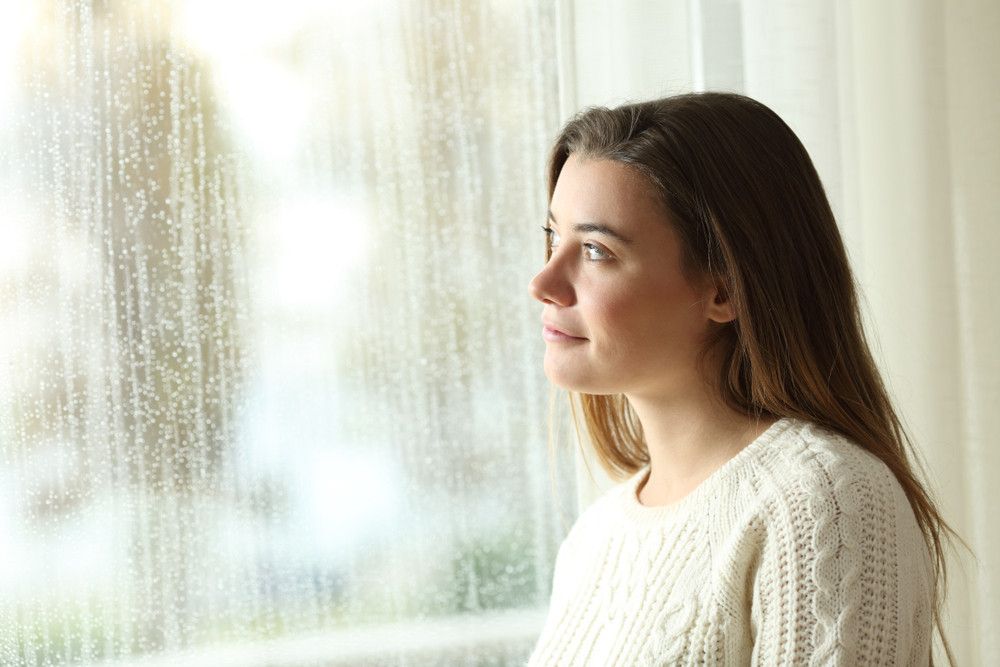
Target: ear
<point>720,308</point>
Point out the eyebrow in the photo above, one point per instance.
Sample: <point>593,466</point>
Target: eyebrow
<point>584,227</point>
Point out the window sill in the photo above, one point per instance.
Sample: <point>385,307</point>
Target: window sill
<point>502,631</point>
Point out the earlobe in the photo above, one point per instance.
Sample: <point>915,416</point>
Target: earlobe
<point>721,309</point>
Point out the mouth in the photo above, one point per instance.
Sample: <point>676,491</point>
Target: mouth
<point>557,336</point>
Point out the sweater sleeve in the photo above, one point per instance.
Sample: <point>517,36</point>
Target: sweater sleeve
<point>844,575</point>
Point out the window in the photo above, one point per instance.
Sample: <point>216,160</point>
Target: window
<point>270,385</point>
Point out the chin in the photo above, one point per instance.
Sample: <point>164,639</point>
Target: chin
<point>573,379</point>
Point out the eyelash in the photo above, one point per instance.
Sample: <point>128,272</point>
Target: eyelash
<point>590,246</point>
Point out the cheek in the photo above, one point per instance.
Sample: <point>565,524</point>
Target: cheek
<point>611,312</point>
<point>653,321</point>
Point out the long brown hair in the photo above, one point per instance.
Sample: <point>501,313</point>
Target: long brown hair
<point>751,212</point>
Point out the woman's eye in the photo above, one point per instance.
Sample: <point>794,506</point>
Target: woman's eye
<point>553,236</point>
<point>594,252</point>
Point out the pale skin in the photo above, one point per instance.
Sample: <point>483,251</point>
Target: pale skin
<point>637,323</point>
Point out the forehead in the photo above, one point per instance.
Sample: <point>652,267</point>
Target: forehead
<point>605,190</point>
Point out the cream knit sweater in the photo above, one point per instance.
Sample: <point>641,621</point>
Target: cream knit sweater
<point>800,550</point>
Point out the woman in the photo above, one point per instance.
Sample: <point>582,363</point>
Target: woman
<point>699,303</point>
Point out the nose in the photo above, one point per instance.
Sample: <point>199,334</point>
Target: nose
<point>550,285</point>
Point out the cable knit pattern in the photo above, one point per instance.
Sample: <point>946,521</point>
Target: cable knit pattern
<point>800,550</point>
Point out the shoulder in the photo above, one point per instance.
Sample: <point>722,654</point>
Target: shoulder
<point>839,531</point>
<point>585,543</point>
<point>815,493</point>
<point>836,506</point>
<point>603,509</point>
<point>817,470</point>
<point>835,515</point>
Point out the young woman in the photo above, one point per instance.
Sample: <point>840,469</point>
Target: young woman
<point>699,305</point>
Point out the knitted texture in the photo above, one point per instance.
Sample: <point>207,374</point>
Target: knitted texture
<point>800,550</point>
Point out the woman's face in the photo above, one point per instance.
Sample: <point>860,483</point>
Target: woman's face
<point>614,284</point>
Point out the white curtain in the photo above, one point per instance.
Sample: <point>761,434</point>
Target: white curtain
<point>898,104</point>
<point>270,381</point>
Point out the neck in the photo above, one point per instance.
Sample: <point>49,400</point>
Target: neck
<point>689,436</point>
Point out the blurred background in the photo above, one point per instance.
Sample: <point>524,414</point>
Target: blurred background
<point>270,377</point>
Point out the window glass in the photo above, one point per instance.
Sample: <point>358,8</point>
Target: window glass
<point>270,385</point>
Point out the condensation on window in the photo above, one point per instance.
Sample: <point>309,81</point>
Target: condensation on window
<point>269,369</point>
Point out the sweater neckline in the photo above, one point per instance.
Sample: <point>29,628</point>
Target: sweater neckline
<point>640,513</point>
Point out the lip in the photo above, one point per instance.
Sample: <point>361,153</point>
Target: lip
<point>552,334</point>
